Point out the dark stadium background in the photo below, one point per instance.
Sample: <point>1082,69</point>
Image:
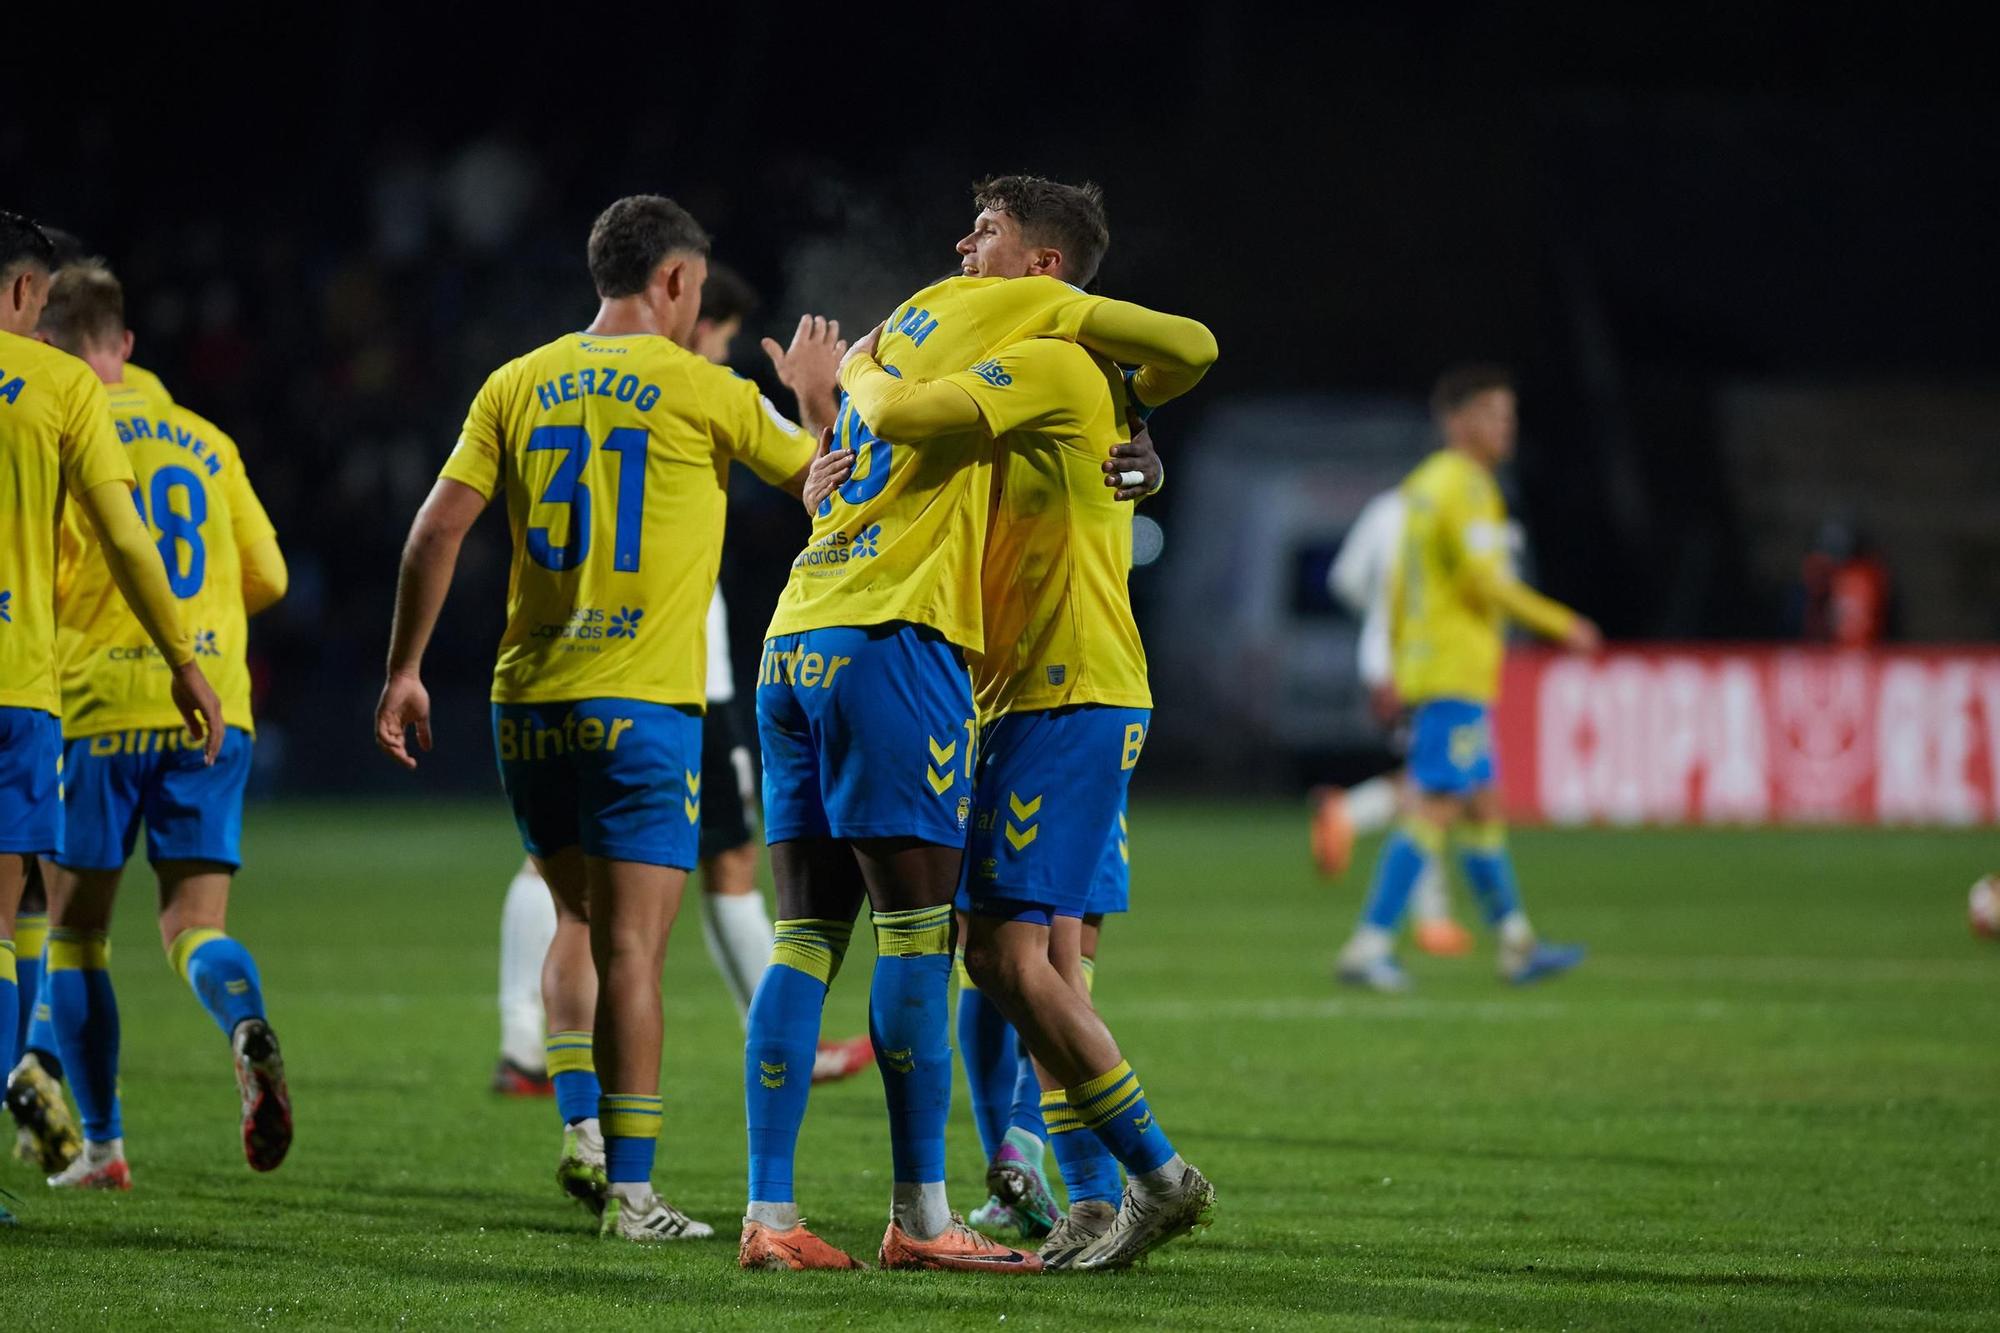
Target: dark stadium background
<point>330,235</point>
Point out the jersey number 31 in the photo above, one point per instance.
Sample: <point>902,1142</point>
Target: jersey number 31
<point>567,487</point>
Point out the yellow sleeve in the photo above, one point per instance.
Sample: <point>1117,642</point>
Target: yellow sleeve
<point>248,523</point>
<point>265,577</point>
<point>90,451</point>
<point>1037,382</point>
<point>1172,352</point>
<point>906,411</point>
<point>755,433</point>
<point>475,459</point>
<point>136,569</point>
<point>1478,531</point>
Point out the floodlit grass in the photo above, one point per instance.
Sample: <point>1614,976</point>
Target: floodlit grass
<point>1770,1099</point>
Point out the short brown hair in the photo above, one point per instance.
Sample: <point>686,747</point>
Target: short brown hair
<point>86,307</point>
<point>631,238</point>
<point>1069,217</point>
<point>1461,384</point>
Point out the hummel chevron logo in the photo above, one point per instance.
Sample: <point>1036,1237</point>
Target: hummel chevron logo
<point>1018,839</point>
<point>693,781</point>
<point>1144,1122</point>
<point>771,1076</point>
<point>942,775</point>
<point>903,1061</point>
<point>1023,811</point>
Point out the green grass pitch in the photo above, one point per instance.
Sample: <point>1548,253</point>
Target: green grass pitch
<point>1771,1099</point>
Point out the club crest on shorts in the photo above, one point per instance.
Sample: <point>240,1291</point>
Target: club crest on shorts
<point>964,811</point>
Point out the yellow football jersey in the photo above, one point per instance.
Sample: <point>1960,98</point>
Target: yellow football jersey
<point>198,503</point>
<point>56,441</point>
<point>614,454</point>
<point>903,537</point>
<point>1454,586</point>
<point>138,377</point>
<point>1058,612</point>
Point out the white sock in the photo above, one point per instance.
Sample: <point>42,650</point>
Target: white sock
<point>1427,900</point>
<point>1163,1179</point>
<point>634,1194</point>
<point>589,1136</point>
<point>1372,805</point>
<point>920,1210</point>
<point>738,930</point>
<point>1367,944</point>
<point>527,925</point>
<point>777,1216</point>
<point>1515,932</point>
<point>97,1154</point>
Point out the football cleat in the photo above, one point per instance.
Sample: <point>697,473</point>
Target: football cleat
<point>580,1170</point>
<point>267,1105</point>
<point>842,1059</point>
<point>1540,961</point>
<point>1443,938</point>
<point>47,1135</point>
<point>995,1218</point>
<point>1145,1223</point>
<point>1332,832</point>
<point>1074,1233</point>
<point>1382,975</point>
<point>512,1080</point>
<point>956,1249</point>
<point>1019,1182</point>
<point>650,1221</point>
<point>796,1250</point>
<point>83,1174</point>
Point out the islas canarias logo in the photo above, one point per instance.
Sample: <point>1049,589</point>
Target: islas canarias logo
<point>839,548</point>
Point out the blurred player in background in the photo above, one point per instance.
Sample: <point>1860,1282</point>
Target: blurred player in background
<point>58,447</point>
<point>126,759</point>
<point>1360,577</point>
<point>612,447</point>
<point>1455,589</point>
<point>735,922</point>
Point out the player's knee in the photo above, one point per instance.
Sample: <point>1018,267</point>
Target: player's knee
<point>995,967</point>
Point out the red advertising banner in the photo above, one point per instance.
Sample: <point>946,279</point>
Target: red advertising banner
<point>1705,734</point>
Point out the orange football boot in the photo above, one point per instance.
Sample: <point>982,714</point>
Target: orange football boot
<point>956,1249</point>
<point>797,1249</point>
<point>1332,832</point>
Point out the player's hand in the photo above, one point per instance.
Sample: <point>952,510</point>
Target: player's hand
<point>405,703</point>
<point>863,346</point>
<point>1584,636</point>
<point>827,472</point>
<point>1385,703</point>
<point>810,367</point>
<point>200,710</point>
<point>1134,469</point>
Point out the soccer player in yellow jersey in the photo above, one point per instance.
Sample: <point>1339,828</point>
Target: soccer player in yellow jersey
<point>57,446</point>
<point>1064,707</point>
<point>125,758</point>
<point>1453,593</point>
<point>612,448</point>
<point>865,711</point>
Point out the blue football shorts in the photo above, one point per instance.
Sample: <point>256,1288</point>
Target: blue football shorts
<point>1451,747</point>
<point>192,811</point>
<point>31,812</point>
<point>619,777</point>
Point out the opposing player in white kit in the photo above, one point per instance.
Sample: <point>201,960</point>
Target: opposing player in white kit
<point>1359,578</point>
<point>735,921</point>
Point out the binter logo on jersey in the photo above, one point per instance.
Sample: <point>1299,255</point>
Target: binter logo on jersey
<point>838,548</point>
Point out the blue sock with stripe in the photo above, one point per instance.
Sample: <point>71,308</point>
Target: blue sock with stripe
<point>31,942</point>
<point>1089,1171</point>
<point>222,974</point>
<point>83,1009</point>
<point>1397,869</point>
<point>631,1123</point>
<point>1026,1117</point>
<point>986,1044</point>
<point>41,1038</point>
<point>1113,1106</point>
<point>10,1007</point>
<point>1489,870</point>
<point>573,1069</point>
<point>779,1048</point>
<point>909,1018</point>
